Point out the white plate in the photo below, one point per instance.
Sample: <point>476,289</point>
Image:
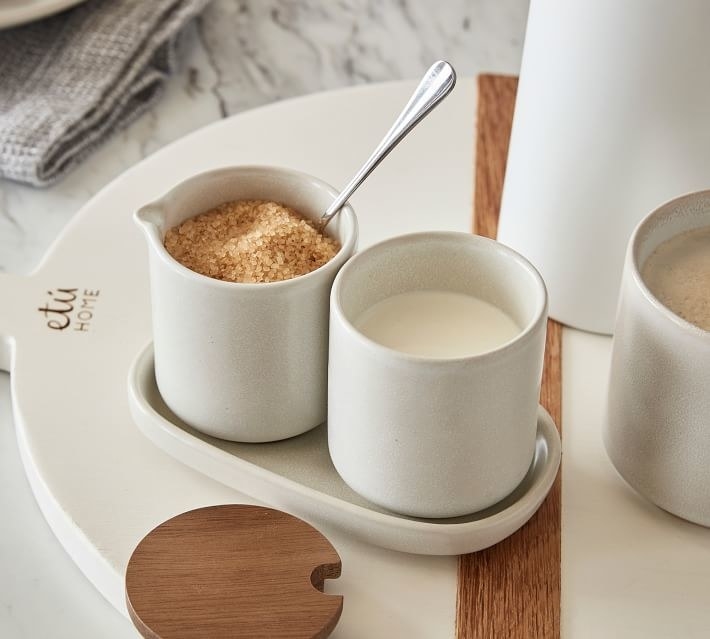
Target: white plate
<point>297,475</point>
<point>101,484</point>
<point>14,12</point>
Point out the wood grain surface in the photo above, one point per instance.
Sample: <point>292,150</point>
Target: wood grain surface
<point>512,590</point>
<point>233,571</point>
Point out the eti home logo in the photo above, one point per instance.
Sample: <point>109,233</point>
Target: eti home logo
<point>70,309</point>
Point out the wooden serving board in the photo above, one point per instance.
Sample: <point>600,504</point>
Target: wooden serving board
<point>102,486</point>
<point>512,590</point>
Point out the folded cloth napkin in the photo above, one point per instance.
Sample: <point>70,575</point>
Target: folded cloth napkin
<point>69,81</point>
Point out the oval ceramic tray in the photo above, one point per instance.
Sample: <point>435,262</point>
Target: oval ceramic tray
<point>297,475</point>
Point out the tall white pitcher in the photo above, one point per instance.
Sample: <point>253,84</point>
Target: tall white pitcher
<point>612,119</point>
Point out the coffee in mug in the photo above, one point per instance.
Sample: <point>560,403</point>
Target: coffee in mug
<point>678,274</point>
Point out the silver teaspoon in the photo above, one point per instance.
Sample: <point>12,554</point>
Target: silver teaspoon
<point>433,88</point>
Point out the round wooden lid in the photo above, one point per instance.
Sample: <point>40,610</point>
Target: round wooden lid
<point>233,571</point>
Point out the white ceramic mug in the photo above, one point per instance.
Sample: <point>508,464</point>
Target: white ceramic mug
<point>435,437</point>
<point>657,432</point>
<point>245,362</point>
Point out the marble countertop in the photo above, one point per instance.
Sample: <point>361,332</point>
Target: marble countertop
<point>237,56</point>
<point>240,55</point>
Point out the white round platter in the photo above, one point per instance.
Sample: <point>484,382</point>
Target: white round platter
<point>101,484</point>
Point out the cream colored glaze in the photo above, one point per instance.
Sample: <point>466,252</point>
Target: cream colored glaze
<point>440,324</point>
<point>678,274</point>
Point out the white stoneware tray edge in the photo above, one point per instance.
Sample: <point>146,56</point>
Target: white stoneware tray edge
<point>373,526</point>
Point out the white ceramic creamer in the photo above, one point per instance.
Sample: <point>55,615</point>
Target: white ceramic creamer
<point>245,362</point>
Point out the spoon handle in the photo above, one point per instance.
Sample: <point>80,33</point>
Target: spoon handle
<point>434,87</point>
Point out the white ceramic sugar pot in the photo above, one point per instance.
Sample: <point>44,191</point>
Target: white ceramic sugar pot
<point>611,120</point>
